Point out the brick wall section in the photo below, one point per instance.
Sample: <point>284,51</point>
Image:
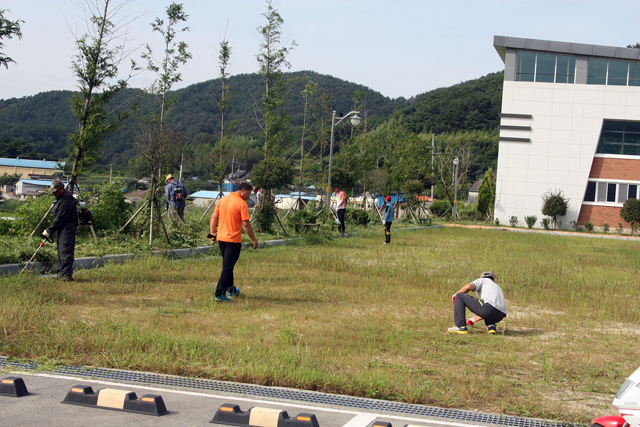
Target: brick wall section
<point>598,215</point>
<point>615,169</point>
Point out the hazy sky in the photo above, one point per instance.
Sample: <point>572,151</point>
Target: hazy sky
<point>396,47</point>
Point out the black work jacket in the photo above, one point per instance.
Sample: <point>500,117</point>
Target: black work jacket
<point>65,213</point>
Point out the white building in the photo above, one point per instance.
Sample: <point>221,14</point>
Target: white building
<point>570,121</point>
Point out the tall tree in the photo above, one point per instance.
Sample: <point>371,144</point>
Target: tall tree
<point>224,104</point>
<point>307,94</point>
<point>100,53</point>
<point>175,54</point>
<point>272,58</point>
<point>487,194</point>
<point>8,30</point>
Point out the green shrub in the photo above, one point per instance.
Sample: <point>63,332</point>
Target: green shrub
<point>530,220</point>
<point>605,227</point>
<point>30,214</point>
<point>10,205</point>
<point>513,221</point>
<point>588,226</point>
<point>546,223</point>
<point>575,225</point>
<point>110,212</point>
<point>554,205</point>
<point>304,216</point>
<point>630,212</point>
<point>440,207</point>
<point>358,217</point>
<point>620,228</point>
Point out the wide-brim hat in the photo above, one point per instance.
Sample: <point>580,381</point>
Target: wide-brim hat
<point>488,275</point>
<point>170,176</point>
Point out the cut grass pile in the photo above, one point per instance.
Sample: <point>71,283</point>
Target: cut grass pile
<point>353,316</point>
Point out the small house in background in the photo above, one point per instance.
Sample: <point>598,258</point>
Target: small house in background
<point>32,187</point>
<point>473,192</point>
<point>135,196</point>
<point>203,199</point>
<point>22,167</point>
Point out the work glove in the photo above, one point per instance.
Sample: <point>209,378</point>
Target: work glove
<point>45,234</point>
<point>212,237</point>
<point>453,298</point>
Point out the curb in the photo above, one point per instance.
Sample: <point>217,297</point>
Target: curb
<point>93,262</point>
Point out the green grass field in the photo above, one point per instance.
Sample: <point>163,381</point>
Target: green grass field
<point>353,316</point>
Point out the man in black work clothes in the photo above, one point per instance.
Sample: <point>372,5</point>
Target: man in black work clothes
<point>64,224</point>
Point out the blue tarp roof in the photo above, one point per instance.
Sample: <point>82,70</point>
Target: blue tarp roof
<point>29,163</point>
<point>40,182</point>
<point>294,196</point>
<point>207,194</point>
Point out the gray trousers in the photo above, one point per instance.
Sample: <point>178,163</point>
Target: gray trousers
<point>489,313</point>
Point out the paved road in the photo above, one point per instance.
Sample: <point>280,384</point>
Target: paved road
<point>187,407</point>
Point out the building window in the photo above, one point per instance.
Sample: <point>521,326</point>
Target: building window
<point>590,194</point>
<point>618,72</point>
<point>526,66</point>
<point>610,192</point>
<point>619,137</point>
<point>545,67</point>
<point>597,73</point>
<point>566,69</point>
<point>613,72</point>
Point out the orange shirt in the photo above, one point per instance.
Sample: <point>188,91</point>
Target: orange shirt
<point>231,210</point>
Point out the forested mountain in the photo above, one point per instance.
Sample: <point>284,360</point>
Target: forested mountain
<point>38,126</point>
<point>472,105</point>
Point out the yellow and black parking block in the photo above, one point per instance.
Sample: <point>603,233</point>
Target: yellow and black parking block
<point>261,417</point>
<point>119,400</point>
<point>381,424</point>
<point>13,386</point>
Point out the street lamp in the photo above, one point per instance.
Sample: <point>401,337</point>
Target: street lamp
<point>455,192</point>
<point>355,121</point>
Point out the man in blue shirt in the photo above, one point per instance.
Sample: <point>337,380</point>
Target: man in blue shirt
<point>388,219</point>
<point>176,195</point>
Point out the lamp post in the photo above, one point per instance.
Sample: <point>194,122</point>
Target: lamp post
<point>355,121</point>
<point>455,192</point>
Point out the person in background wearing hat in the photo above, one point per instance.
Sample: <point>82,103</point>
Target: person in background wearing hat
<point>387,219</point>
<point>64,224</point>
<point>176,195</point>
<point>491,306</point>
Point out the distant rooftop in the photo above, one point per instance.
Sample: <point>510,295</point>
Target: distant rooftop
<point>29,163</point>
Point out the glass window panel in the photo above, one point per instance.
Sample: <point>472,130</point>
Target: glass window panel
<point>613,125</point>
<point>631,150</point>
<point>631,138</point>
<point>602,191</point>
<point>633,191</point>
<point>525,66</point>
<point>590,194</point>
<point>632,126</point>
<point>545,67</point>
<point>622,194</point>
<point>611,192</point>
<point>606,148</point>
<point>566,69</point>
<point>597,74</point>
<point>612,137</point>
<point>634,74</point>
<point>618,71</point>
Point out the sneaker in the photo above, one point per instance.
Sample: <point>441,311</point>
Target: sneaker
<point>385,243</point>
<point>234,293</point>
<point>471,322</point>
<point>223,298</point>
<point>458,330</point>
<point>491,329</point>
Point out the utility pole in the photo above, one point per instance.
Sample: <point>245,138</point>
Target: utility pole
<point>433,150</point>
<point>181,163</point>
<point>111,174</point>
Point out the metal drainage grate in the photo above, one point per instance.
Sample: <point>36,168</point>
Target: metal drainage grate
<point>295,395</point>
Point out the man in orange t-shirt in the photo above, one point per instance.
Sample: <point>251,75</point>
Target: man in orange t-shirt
<point>233,213</point>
